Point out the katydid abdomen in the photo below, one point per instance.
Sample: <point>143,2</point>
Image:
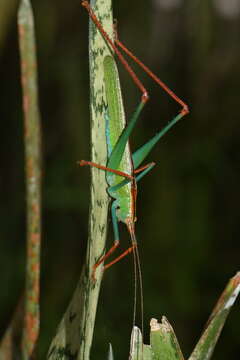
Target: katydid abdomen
<point>120,160</point>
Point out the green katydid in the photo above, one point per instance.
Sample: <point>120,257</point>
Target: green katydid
<point>122,169</point>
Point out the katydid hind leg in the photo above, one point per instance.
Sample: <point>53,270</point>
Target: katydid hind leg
<point>155,78</point>
<point>140,154</point>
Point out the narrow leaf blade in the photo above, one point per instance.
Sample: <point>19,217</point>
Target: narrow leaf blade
<point>110,352</point>
<point>209,338</point>
<point>138,350</point>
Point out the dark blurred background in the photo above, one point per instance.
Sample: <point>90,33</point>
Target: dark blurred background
<point>188,207</point>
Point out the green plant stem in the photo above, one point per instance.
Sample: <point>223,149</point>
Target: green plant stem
<point>74,335</point>
<point>32,175</point>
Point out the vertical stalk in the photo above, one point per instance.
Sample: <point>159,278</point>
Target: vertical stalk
<point>74,335</point>
<point>32,174</point>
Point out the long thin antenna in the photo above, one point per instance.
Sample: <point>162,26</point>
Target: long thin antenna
<point>135,287</point>
<point>137,277</point>
<point>139,268</point>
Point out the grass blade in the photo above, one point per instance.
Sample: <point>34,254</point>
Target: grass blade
<point>213,328</point>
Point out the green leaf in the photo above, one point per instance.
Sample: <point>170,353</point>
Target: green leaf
<point>163,340</point>
<point>138,350</point>
<point>205,346</point>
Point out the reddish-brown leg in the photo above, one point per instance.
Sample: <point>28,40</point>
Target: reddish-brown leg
<point>185,109</point>
<point>105,168</point>
<point>103,258</point>
<point>110,251</point>
<point>144,167</point>
<point>125,253</point>
<point>139,84</point>
<point>116,243</point>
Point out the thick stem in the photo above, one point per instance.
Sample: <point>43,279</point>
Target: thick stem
<point>74,335</point>
<point>24,326</point>
<point>32,175</point>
